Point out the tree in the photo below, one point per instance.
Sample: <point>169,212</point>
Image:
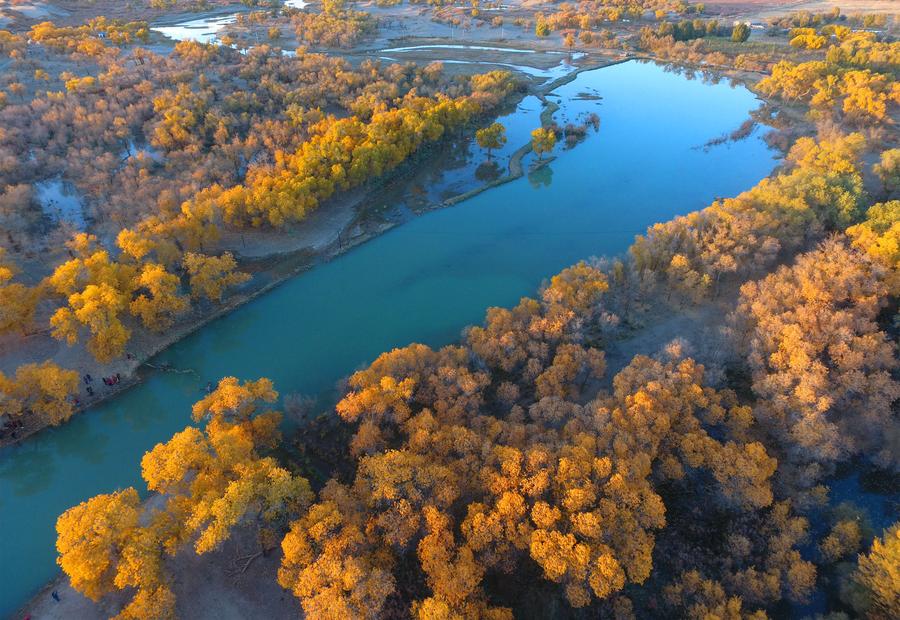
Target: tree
<point>879,236</point>
<point>888,170</point>
<point>844,538</point>
<point>333,7</point>
<point>210,481</point>
<point>214,479</point>
<point>542,141</point>
<point>211,275</point>
<point>740,33</point>
<point>17,301</point>
<point>158,301</point>
<point>41,390</point>
<point>491,137</point>
<point>821,190</point>
<point>98,309</point>
<point>851,84</point>
<point>877,574</point>
<point>330,564</point>
<point>103,548</point>
<point>91,537</point>
<point>822,368</point>
<point>542,27</point>
<point>97,290</point>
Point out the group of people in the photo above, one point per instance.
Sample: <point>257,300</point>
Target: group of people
<point>108,381</point>
<point>112,379</point>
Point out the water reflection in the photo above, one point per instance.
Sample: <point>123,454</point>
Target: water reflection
<point>488,172</point>
<point>202,30</point>
<point>206,29</point>
<point>541,177</point>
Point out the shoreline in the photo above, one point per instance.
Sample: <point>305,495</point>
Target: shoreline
<point>278,267</point>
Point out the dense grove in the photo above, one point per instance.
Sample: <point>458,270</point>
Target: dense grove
<point>509,459</point>
<point>857,81</point>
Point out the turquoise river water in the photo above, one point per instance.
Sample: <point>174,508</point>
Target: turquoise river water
<point>422,281</point>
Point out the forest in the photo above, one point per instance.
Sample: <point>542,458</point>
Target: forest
<point>523,470</point>
<point>214,154</point>
<point>511,459</point>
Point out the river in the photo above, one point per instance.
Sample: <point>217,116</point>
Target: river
<point>206,29</point>
<point>422,281</point>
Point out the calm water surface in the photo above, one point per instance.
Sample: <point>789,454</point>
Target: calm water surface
<point>423,281</point>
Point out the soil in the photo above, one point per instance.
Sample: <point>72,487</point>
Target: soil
<point>212,586</point>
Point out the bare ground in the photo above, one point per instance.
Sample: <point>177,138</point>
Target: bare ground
<point>763,9</point>
<point>699,330</point>
<point>208,587</point>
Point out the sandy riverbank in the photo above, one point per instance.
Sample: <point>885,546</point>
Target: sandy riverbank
<point>214,586</point>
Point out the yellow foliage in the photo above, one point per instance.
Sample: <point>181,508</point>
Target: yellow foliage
<point>542,141</point>
<point>91,538</point>
<point>98,309</point>
<point>17,301</point>
<point>878,573</point>
<point>209,482</point>
<point>879,236</point>
<point>158,302</point>
<point>41,390</point>
<point>210,276</point>
<point>822,368</point>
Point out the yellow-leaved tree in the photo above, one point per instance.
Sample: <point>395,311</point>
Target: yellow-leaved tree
<point>17,301</point>
<point>40,390</point>
<point>211,275</point>
<point>158,301</point>
<point>210,481</point>
<point>97,290</point>
<point>878,574</point>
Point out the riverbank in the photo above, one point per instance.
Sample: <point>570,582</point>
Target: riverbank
<point>231,583</point>
<point>272,258</point>
<point>343,224</point>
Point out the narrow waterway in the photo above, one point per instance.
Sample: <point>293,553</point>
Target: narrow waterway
<point>422,281</point>
<point>206,29</point>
